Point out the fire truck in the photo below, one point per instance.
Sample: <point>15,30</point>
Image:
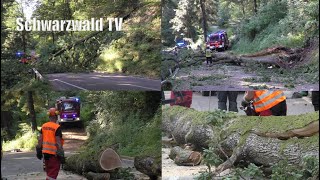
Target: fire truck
<point>218,41</point>
<point>69,109</point>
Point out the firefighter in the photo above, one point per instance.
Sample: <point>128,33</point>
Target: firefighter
<point>223,96</point>
<point>50,144</point>
<point>208,56</point>
<point>315,100</point>
<point>266,103</point>
<point>182,98</point>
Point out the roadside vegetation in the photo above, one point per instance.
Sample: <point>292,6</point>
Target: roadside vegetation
<point>253,27</point>
<point>134,128</point>
<point>133,51</point>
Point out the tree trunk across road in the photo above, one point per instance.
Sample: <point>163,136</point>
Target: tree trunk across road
<point>251,139</point>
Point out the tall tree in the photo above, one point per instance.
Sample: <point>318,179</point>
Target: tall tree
<point>255,6</point>
<point>32,112</point>
<point>204,19</point>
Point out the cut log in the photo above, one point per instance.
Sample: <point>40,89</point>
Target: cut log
<point>98,176</point>
<point>109,160</point>
<point>185,126</point>
<point>239,141</point>
<point>106,160</point>
<point>149,166</point>
<point>185,157</point>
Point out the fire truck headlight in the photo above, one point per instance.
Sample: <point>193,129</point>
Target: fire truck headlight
<point>78,119</point>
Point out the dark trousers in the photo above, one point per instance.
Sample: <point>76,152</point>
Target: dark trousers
<point>209,59</point>
<point>223,96</point>
<point>279,109</point>
<point>315,100</point>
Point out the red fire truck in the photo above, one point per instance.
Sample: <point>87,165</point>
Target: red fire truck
<point>218,40</point>
<point>69,109</point>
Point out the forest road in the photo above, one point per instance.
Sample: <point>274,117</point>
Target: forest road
<point>101,81</point>
<point>25,165</point>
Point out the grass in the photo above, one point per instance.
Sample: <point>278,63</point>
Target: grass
<point>25,140</point>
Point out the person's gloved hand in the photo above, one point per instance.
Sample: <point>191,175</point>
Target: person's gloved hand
<point>245,103</point>
<point>60,154</point>
<point>39,152</point>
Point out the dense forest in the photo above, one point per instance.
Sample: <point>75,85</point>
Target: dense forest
<point>251,24</point>
<point>134,51</point>
<point>274,33</point>
<point>129,119</point>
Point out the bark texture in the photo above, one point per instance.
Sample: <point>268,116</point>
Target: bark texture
<point>98,176</point>
<point>184,131</point>
<point>252,139</point>
<point>185,157</point>
<point>148,165</point>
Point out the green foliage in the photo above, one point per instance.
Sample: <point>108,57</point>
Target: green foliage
<point>308,169</point>
<point>250,172</point>
<point>286,23</point>
<point>204,175</point>
<point>138,47</point>
<point>283,170</point>
<point>224,16</point>
<point>124,173</point>
<point>128,118</point>
<point>210,158</point>
<point>12,72</point>
<point>25,139</point>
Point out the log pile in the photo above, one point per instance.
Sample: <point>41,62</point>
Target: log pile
<point>252,139</point>
<point>185,157</point>
<point>101,166</point>
<point>108,165</point>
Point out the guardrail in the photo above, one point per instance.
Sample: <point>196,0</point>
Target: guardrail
<point>37,75</point>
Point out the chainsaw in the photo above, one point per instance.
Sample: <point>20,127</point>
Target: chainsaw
<point>248,108</point>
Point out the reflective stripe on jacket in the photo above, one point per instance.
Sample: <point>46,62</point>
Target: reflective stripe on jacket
<point>265,99</point>
<point>49,143</point>
<point>208,53</point>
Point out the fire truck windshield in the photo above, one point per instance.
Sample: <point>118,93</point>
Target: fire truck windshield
<point>68,106</point>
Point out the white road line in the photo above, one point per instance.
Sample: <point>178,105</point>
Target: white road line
<point>69,84</point>
<point>139,86</point>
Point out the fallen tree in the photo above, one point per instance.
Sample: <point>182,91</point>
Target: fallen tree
<point>279,56</point>
<point>250,139</point>
<point>102,165</point>
<point>148,165</point>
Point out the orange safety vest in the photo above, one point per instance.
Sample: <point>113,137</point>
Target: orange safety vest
<point>49,143</point>
<point>264,99</point>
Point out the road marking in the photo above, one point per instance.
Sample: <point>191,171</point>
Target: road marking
<point>139,86</point>
<point>69,84</point>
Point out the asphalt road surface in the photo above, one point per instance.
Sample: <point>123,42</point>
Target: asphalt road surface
<point>25,165</point>
<point>101,81</point>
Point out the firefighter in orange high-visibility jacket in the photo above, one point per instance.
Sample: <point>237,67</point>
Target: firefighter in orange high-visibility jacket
<point>50,144</point>
<point>267,103</point>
